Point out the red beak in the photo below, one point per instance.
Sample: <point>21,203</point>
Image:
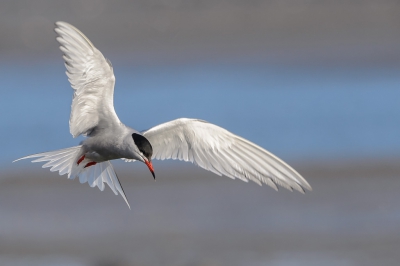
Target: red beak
<point>150,166</point>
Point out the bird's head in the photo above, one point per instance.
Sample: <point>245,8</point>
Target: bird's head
<point>145,151</point>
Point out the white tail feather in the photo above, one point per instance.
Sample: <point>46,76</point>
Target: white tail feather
<point>65,162</point>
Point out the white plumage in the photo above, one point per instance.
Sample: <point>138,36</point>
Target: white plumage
<point>221,152</point>
<point>92,78</point>
<point>92,114</point>
<point>63,162</point>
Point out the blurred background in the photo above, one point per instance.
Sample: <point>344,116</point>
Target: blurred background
<point>314,82</point>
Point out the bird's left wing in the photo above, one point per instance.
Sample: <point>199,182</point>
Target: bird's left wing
<point>218,150</point>
<point>92,78</point>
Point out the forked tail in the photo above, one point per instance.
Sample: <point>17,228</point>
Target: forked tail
<point>65,161</point>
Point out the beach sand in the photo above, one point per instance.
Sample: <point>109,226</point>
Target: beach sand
<point>192,217</point>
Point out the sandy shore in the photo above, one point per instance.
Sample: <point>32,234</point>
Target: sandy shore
<point>191,217</point>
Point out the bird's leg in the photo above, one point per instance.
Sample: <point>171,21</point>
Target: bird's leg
<point>81,159</point>
<point>89,164</point>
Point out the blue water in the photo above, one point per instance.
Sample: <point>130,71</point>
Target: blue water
<point>297,113</point>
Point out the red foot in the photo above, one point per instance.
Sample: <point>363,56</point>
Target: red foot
<point>81,159</point>
<point>89,164</point>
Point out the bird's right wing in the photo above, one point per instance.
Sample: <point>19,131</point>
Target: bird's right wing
<point>218,150</point>
<point>92,78</point>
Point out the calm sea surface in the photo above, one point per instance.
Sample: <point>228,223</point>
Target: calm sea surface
<point>297,113</point>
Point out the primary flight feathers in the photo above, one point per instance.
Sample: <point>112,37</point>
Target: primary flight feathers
<point>92,78</point>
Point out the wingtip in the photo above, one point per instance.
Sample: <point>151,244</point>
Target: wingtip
<point>58,25</point>
<point>124,197</point>
<point>126,200</point>
<point>61,23</point>
<point>26,157</point>
<point>306,186</point>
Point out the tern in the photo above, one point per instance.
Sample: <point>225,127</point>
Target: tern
<point>107,138</point>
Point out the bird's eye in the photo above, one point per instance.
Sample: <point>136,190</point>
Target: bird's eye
<point>146,154</point>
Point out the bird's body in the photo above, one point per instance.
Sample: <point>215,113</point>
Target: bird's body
<point>92,114</point>
<point>105,145</point>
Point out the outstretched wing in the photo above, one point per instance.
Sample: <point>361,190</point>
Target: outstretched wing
<point>216,149</point>
<point>92,78</point>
